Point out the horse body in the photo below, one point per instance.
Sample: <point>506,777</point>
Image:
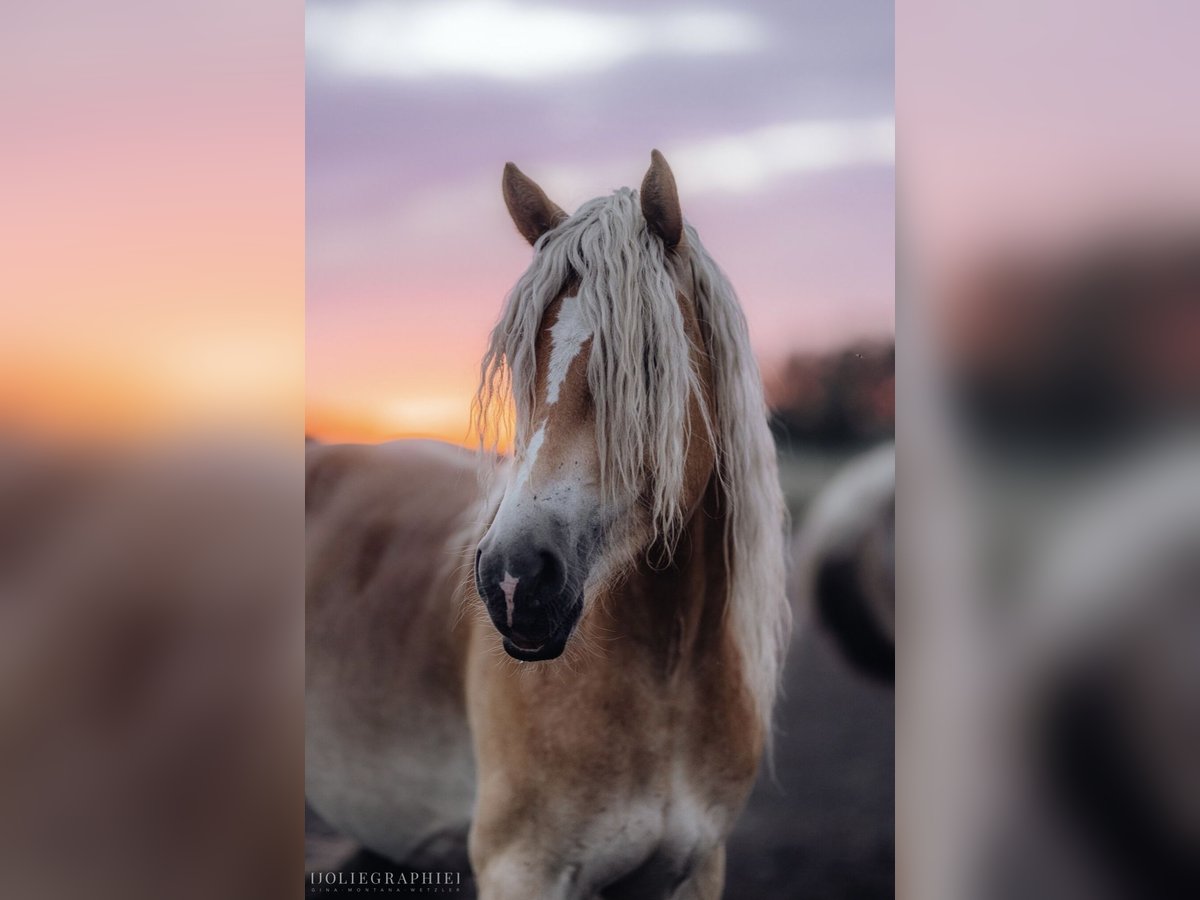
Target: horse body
<point>630,763</point>
<point>388,753</point>
<point>579,667</point>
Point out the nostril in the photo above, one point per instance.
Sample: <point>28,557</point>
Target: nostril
<point>551,571</point>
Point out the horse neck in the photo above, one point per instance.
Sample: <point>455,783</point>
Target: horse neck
<point>675,614</point>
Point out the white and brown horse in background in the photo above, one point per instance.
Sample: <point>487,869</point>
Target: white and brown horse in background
<point>844,569</point>
<point>579,665</point>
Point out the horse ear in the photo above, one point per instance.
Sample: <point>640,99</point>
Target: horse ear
<point>532,211</point>
<point>660,202</point>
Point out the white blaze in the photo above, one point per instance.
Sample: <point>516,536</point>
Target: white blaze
<point>566,339</point>
<point>531,455</point>
<point>509,587</point>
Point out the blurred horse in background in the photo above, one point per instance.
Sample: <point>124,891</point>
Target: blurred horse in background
<point>844,561</point>
<point>1099,696</point>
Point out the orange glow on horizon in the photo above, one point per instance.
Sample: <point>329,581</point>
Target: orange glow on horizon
<point>367,425</point>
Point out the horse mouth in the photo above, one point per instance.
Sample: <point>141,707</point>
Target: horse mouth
<point>538,649</point>
<point>550,649</point>
<point>524,644</point>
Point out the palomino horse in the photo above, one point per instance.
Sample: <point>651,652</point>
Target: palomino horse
<point>599,722</point>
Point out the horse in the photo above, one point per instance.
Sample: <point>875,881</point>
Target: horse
<point>573,660</point>
<point>1094,687</point>
<point>845,569</point>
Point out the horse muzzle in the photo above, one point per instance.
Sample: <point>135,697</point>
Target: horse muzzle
<point>529,596</point>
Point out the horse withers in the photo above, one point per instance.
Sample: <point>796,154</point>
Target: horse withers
<point>578,663</point>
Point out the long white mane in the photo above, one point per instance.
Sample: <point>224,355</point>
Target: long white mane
<point>641,378</point>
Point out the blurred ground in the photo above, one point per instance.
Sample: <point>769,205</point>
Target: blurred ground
<point>823,827</point>
<point>826,827</point>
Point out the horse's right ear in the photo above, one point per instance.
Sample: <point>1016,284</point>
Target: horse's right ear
<point>532,211</point>
<point>660,202</point>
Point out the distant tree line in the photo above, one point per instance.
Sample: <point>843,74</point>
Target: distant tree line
<point>842,398</point>
<point>1089,345</point>
<point>1096,343</point>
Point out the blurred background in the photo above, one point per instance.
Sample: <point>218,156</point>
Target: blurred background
<point>151,233</point>
<point>151,402</point>
<point>1048,521</point>
<point>778,122</point>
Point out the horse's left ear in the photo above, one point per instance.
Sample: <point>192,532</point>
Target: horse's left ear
<point>660,202</point>
<point>532,211</point>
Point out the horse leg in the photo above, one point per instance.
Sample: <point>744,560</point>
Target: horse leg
<point>707,880</point>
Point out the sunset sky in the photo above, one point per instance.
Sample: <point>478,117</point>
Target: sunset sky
<point>776,117</point>
<point>1054,124</point>
<point>153,236</point>
<point>151,227</point>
